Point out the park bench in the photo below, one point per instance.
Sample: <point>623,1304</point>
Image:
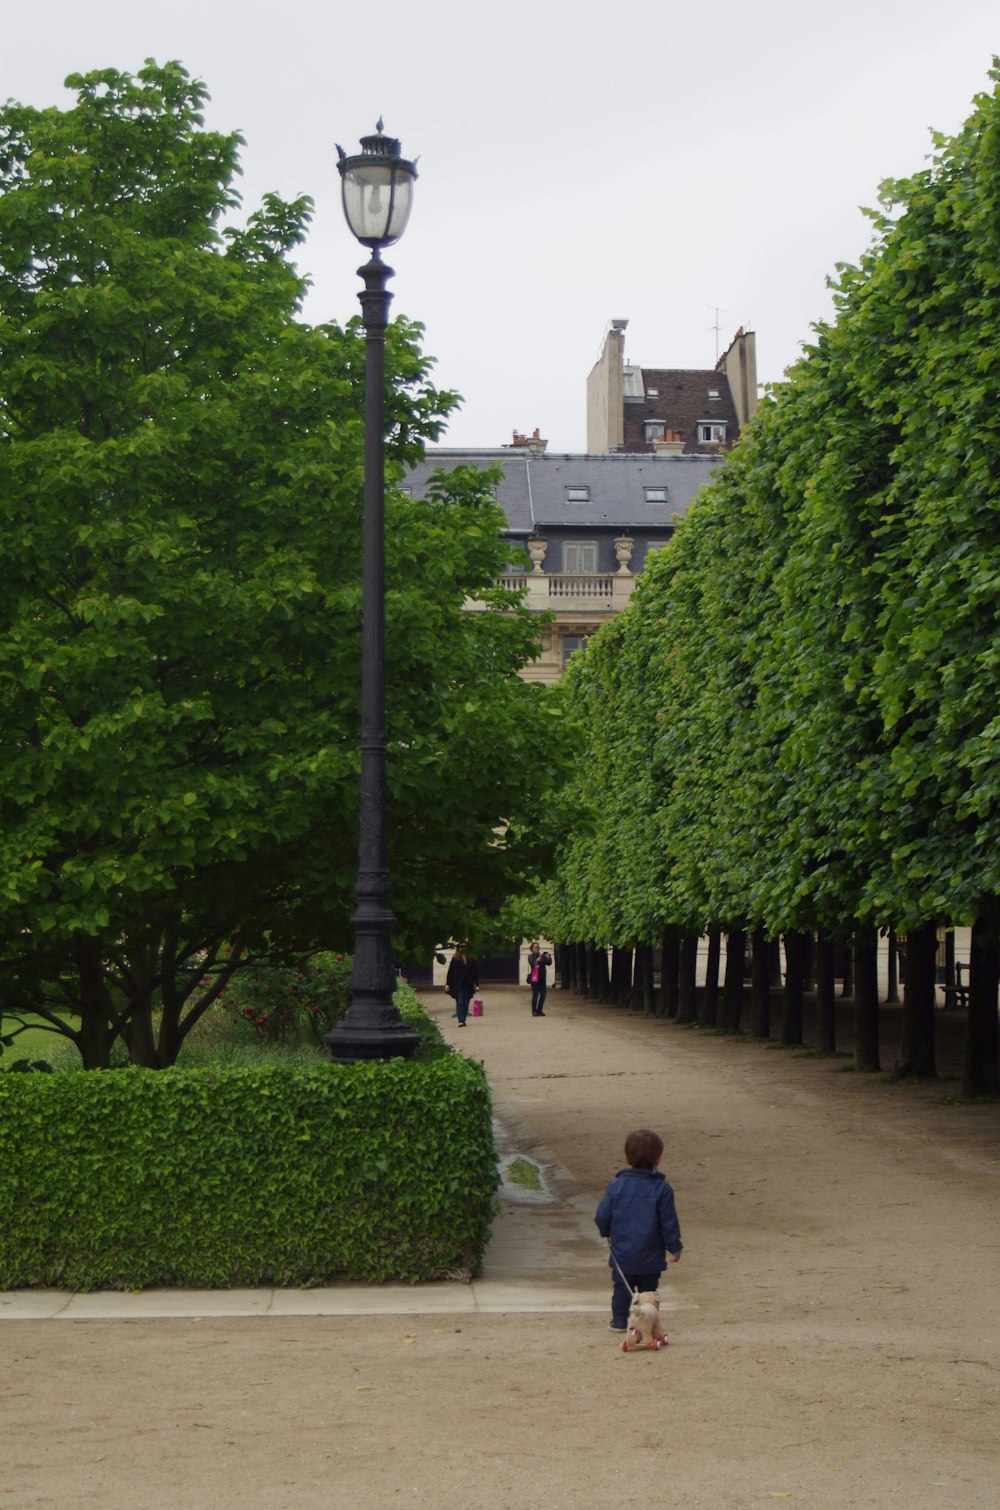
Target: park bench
<point>958,994</point>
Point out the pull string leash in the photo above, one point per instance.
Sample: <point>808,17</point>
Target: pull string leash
<point>624,1278</point>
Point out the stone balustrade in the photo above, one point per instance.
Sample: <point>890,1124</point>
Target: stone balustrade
<point>593,592</point>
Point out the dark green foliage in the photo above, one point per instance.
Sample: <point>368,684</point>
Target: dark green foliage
<point>793,727</point>
<point>181,480</point>
<point>218,1178</point>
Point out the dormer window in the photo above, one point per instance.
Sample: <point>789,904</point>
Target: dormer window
<point>577,495</point>
<point>711,432</point>
<point>654,429</point>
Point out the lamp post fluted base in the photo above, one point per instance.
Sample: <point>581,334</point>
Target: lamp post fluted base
<point>354,1043</point>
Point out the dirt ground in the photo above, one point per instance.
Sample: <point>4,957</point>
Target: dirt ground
<point>836,1342</point>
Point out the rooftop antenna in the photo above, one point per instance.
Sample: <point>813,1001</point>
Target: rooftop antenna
<point>716,327</point>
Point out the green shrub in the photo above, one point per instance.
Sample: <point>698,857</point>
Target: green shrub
<point>256,1176</point>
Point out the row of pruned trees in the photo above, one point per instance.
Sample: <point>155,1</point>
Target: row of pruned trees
<point>793,730</point>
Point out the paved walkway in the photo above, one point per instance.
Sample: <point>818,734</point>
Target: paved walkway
<point>839,1346</point>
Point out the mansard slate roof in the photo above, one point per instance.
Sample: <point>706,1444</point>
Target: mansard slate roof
<point>680,398</point>
<point>534,494</point>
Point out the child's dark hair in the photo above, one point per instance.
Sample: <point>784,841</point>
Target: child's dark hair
<point>643,1148</point>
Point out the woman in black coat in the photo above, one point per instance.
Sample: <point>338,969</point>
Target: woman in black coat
<point>461,981</point>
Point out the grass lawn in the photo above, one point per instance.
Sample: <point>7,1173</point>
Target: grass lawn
<point>39,1043</point>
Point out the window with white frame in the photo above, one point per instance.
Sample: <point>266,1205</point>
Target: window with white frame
<point>711,430</point>
<point>580,556</point>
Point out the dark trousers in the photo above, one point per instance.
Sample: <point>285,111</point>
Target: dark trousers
<point>621,1294</point>
<point>463,996</point>
<point>538,990</point>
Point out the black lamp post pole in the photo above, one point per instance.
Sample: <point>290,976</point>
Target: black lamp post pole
<point>372,1027</point>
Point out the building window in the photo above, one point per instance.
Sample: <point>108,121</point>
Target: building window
<point>578,495</point>
<point>711,430</point>
<point>652,392</point>
<point>656,495</point>
<point>580,556</point>
<point>571,643</point>
<point>713,393</point>
<point>654,429</point>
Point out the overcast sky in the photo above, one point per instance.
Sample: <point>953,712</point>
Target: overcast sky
<point>579,161</point>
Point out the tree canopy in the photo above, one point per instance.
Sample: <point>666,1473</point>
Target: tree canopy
<point>181,479</point>
<point>817,648</point>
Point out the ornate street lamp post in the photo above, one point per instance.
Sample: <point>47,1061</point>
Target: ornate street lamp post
<point>377,186</point>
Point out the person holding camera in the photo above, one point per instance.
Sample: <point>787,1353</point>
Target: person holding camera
<point>538,960</point>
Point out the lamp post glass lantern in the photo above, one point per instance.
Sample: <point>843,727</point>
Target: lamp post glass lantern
<point>377,189</point>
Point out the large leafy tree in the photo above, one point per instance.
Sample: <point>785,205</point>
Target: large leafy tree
<point>180,494</point>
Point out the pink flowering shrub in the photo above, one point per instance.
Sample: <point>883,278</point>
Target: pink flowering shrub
<point>292,1002</point>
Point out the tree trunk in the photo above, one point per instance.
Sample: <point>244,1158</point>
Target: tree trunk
<point>140,1037</point>
<point>710,999</point>
<point>981,1075</point>
<point>916,1043</point>
<point>826,997</point>
<point>687,1001</point>
<point>581,969</point>
<point>670,948</point>
<point>796,945</point>
<point>866,1036</point>
<point>568,967</point>
<point>760,986</point>
<point>603,975</point>
<point>621,976</point>
<point>732,992</point>
<point>94,1038</point>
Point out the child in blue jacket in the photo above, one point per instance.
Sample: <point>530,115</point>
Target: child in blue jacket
<point>638,1217</point>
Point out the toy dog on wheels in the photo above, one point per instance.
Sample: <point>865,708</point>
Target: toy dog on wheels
<point>644,1328</point>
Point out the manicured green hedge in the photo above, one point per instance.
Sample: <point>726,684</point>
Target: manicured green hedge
<point>264,1176</point>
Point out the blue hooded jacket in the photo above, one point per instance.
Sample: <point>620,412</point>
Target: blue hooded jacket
<point>638,1215</point>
